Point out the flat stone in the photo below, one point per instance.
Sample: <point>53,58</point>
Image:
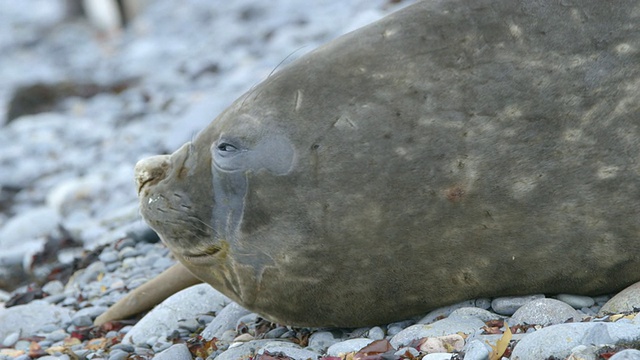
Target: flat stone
<point>559,340</point>
<point>226,319</point>
<point>629,354</point>
<point>291,350</point>
<point>448,326</point>
<point>30,318</point>
<point>627,300</point>
<point>348,346</point>
<point>508,305</point>
<point>544,312</point>
<point>166,317</point>
<point>576,301</point>
<point>174,352</point>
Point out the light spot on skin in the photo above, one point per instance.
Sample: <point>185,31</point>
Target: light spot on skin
<point>389,33</point>
<point>515,31</point>
<point>523,186</point>
<point>401,151</point>
<point>298,100</point>
<point>623,48</point>
<point>573,135</point>
<point>344,122</point>
<point>607,172</point>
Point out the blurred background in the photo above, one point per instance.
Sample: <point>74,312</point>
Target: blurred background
<point>89,87</point>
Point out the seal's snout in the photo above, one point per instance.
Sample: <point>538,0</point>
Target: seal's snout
<point>151,170</point>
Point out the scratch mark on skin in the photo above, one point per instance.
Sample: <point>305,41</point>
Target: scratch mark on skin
<point>298,100</point>
<point>344,122</point>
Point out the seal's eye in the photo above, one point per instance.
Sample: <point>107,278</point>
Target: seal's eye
<point>227,148</point>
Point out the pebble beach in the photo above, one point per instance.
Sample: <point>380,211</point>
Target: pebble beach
<point>81,102</point>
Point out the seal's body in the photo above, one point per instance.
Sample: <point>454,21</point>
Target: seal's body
<point>453,150</point>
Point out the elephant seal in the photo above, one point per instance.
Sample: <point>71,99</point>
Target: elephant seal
<point>452,150</point>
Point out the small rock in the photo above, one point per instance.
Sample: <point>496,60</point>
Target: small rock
<point>559,340</point>
<point>92,311</point>
<point>629,354</point>
<point>11,339</point>
<point>448,326</point>
<point>475,312</point>
<point>81,321</point>
<point>576,301</point>
<point>57,335</point>
<point>376,333</point>
<point>244,351</point>
<point>288,349</point>
<point>108,256</point>
<point>627,300</point>
<point>226,319</point>
<point>545,312</point>
<point>31,318</point>
<point>276,333</point>
<point>54,287</point>
<point>442,344</point>
<point>437,356</point>
<point>443,312</point>
<point>509,305</point>
<point>117,354</point>
<point>476,350</point>
<point>348,346</point>
<point>175,352</point>
<point>187,303</point>
<point>321,340</point>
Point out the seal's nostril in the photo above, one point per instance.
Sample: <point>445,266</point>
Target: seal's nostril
<point>151,170</point>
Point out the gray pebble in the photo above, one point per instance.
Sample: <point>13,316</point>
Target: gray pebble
<point>91,273</point>
<point>128,252</point>
<point>475,312</point>
<point>629,354</point>
<point>476,350</point>
<point>117,354</point>
<point>321,340</point>
<point>226,319</point>
<point>82,321</point>
<point>544,312</point>
<point>577,301</point>
<point>450,325</point>
<point>174,352</point>
<point>53,287</point>
<point>54,299</point>
<point>108,256</point>
<point>509,305</point>
<point>276,333</point>
<point>11,339</point>
<point>160,346</point>
<point>185,304</point>
<point>559,340</point>
<point>92,311</point>
<point>57,335</point>
<point>190,324</point>
<point>376,333</point>
<point>124,347</point>
<point>288,349</point>
<point>351,345</point>
<point>443,312</point>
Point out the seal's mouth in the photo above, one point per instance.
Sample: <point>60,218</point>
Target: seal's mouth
<point>204,256</point>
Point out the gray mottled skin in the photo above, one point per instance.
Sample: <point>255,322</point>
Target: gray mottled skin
<point>455,149</point>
